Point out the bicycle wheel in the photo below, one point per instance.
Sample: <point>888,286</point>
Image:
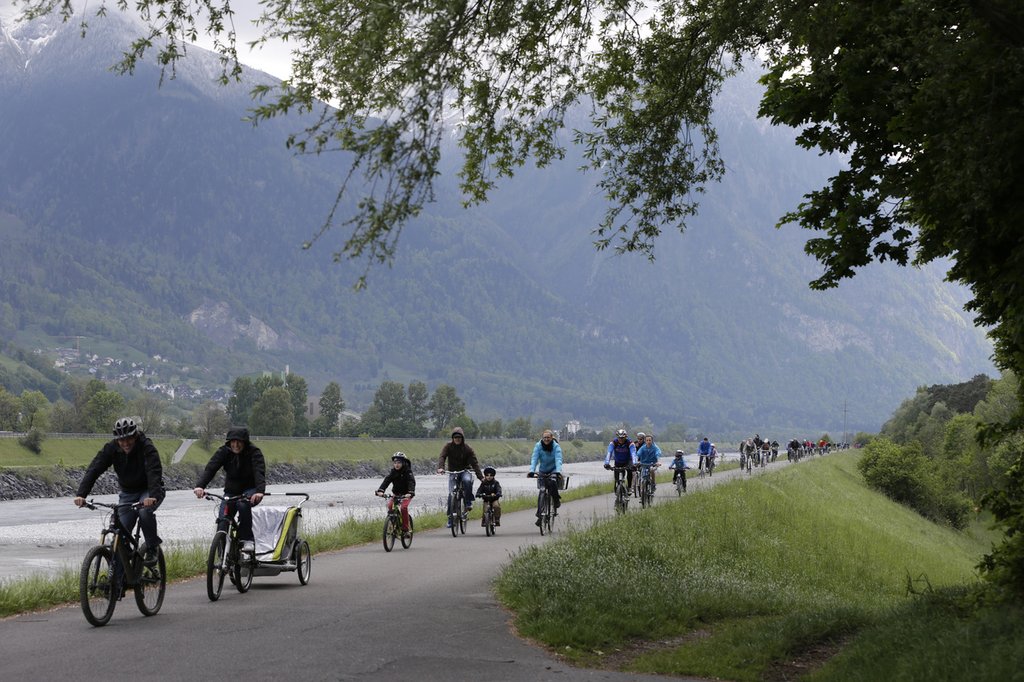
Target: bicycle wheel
<point>391,529</point>
<point>150,587</point>
<point>549,513</point>
<point>215,566</point>
<point>407,540</point>
<point>488,521</point>
<point>95,591</point>
<point>453,513</point>
<point>543,511</point>
<point>243,568</point>
<point>462,515</point>
<point>303,561</point>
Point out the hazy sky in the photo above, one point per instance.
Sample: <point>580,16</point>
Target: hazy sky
<point>272,58</point>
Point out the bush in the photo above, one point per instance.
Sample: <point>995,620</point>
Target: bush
<point>904,474</point>
<point>33,440</point>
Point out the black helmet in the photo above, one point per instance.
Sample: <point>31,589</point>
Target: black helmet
<point>125,428</point>
<point>490,470</point>
<point>400,457</point>
<point>238,433</point>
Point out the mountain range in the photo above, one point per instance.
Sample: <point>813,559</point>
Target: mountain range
<point>150,219</point>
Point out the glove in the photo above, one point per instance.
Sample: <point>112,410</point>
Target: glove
<point>532,474</point>
<point>608,467</point>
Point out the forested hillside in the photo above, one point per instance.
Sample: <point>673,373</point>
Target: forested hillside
<point>154,220</point>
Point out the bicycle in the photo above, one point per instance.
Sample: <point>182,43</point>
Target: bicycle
<point>546,511</point>
<point>116,564</point>
<point>710,464</point>
<point>621,490</point>
<point>680,481</point>
<point>225,557</point>
<point>457,503</point>
<point>393,526</point>
<point>647,484</point>
<point>488,517</point>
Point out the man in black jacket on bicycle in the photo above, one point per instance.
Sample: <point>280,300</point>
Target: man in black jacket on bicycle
<point>245,474</point>
<point>140,476</point>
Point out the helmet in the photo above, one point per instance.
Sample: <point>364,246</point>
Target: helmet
<point>680,453</point>
<point>490,470</point>
<point>641,435</point>
<point>621,433</point>
<point>125,428</point>
<point>400,457</point>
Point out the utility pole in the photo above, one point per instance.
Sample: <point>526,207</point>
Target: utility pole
<point>845,439</point>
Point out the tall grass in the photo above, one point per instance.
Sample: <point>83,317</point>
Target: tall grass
<point>761,569</point>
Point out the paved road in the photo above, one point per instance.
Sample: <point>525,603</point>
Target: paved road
<point>427,613</point>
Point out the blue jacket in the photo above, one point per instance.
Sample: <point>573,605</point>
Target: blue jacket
<point>625,453</point>
<point>704,448</point>
<point>544,461</point>
<point>648,454</point>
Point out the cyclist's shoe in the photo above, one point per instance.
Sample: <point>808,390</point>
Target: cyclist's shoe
<point>406,534</point>
<point>469,508</point>
<point>497,523</point>
<point>151,556</point>
<point>449,523</point>
<point>537,523</point>
<point>248,546</point>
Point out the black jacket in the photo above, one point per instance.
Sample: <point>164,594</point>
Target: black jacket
<point>489,490</point>
<point>402,480</point>
<point>243,471</point>
<point>137,471</point>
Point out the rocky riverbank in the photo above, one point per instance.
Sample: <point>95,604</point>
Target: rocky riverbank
<point>56,481</point>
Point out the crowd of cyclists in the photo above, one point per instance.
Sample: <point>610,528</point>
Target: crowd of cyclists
<point>137,465</point>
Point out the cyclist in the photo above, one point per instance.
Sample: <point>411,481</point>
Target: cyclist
<point>679,468</point>
<point>640,439</point>
<point>403,486</point>
<point>703,452</point>
<point>460,457</point>
<point>623,452</point>
<point>648,456</point>
<point>139,475</point>
<point>245,474</point>
<point>490,491</point>
<point>712,458</point>
<point>547,458</point>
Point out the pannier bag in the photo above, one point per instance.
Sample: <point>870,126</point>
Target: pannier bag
<point>274,529</point>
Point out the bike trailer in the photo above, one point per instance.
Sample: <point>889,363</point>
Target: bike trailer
<point>563,482</point>
<point>275,529</point>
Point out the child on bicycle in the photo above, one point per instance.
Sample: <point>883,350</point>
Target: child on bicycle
<point>403,485</point>
<point>490,491</point>
<point>679,468</point>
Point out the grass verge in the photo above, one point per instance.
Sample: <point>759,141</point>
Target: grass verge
<point>747,578</point>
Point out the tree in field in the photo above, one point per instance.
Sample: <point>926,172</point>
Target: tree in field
<point>102,410</point>
<point>272,415</point>
<point>419,406</point>
<point>150,409</point>
<point>35,411</point>
<point>331,406</point>
<point>10,410</point>
<point>331,402</point>
<point>210,421</point>
<point>519,428</point>
<point>299,392</point>
<point>243,397</point>
<point>444,406</point>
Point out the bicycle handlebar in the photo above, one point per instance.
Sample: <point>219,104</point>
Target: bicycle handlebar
<point>94,504</point>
